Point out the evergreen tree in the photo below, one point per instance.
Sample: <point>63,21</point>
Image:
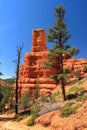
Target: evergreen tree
<point>59,35</point>
<point>24,100</point>
<point>6,96</point>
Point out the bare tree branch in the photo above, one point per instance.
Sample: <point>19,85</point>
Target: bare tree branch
<point>19,50</point>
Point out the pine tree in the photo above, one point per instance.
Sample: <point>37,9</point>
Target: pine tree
<point>24,100</point>
<point>59,35</point>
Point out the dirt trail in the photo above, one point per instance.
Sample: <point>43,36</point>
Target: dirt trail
<point>7,123</point>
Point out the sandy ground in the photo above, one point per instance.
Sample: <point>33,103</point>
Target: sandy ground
<point>7,123</point>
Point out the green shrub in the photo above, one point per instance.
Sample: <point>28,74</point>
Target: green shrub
<point>51,97</point>
<point>34,113</point>
<point>67,110</point>
<point>7,94</point>
<point>81,89</point>
<point>73,82</point>
<point>81,98</point>
<point>11,111</point>
<point>68,104</point>
<point>85,67</point>
<point>24,101</point>
<point>84,98</point>
<point>30,122</point>
<point>71,96</point>
<point>37,88</point>
<point>78,74</point>
<point>56,95</point>
<point>44,98</point>
<point>77,106</point>
<point>21,116</point>
<point>76,89</point>
<point>66,70</point>
<point>34,110</point>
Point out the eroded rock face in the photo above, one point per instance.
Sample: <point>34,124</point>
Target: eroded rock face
<point>32,69</point>
<point>38,40</point>
<point>76,121</point>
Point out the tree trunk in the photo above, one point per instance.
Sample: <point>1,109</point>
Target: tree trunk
<point>62,81</point>
<point>63,90</point>
<point>17,78</point>
<point>17,61</point>
<point>16,96</point>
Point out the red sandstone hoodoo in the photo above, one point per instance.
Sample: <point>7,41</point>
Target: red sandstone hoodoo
<point>32,68</point>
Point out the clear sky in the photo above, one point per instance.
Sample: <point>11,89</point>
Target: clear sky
<point>19,17</point>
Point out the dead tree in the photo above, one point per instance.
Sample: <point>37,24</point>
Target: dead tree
<point>17,62</point>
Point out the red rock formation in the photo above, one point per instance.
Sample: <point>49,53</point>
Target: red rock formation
<point>76,121</point>
<point>32,68</point>
<point>39,40</point>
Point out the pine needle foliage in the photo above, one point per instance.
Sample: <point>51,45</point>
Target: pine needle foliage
<point>59,34</point>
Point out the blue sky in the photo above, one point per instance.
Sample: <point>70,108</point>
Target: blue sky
<point>19,17</point>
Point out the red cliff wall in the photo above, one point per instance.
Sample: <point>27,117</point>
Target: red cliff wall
<point>32,68</point>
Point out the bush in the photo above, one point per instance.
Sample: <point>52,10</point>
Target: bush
<point>85,67</point>
<point>77,106</point>
<point>84,98</point>
<point>78,74</point>
<point>30,122</point>
<point>21,117</point>
<point>24,101</point>
<point>44,98</point>
<point>71,96</point>
<point>76,89</point>
<point>11,111</point>
<point>55,96</point>
<point>34,113</point>
<point>34,109</point>
<point>37,88</point>
<point>6,97</point>
<point>81,98</point>
<point>69,104</point>
<point>73,82</point>
<point>67,110</point>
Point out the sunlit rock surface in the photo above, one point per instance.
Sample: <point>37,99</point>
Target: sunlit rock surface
<point>33,71</point>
